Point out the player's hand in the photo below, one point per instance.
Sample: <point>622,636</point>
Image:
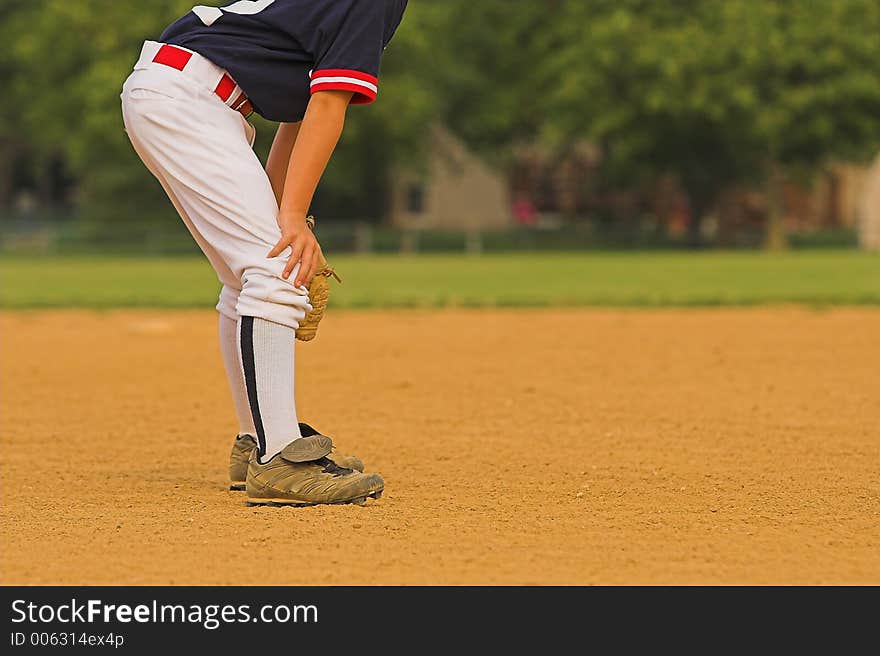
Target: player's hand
<point>296,234</point>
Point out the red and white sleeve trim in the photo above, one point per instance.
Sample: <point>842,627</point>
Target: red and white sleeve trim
<point>364,85</point>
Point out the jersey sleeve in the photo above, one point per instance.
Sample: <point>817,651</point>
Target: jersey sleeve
<point>349,52</point>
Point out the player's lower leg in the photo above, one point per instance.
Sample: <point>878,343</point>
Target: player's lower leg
<point>235,374</point>
<point>245,441</point>
<point>289,466</point>
<point>267,356</point>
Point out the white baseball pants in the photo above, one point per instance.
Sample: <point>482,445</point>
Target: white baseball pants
<point>201,152</point>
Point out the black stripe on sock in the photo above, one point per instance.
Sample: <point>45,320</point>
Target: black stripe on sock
<point>250,381</point>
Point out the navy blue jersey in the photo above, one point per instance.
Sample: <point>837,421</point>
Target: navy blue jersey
<point>282,51</point>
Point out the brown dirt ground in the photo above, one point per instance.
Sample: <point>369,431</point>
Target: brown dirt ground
<point>530,447</point>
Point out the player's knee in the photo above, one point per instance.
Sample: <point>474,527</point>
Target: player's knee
<point>265,294</point>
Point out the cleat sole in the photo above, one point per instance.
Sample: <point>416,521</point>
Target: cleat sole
<point>237,487</point>
<point>284,503</point>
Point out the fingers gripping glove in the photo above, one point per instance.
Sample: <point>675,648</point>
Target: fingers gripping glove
<point>319,293</point>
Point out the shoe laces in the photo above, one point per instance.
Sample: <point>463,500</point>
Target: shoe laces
<point>330,467</point>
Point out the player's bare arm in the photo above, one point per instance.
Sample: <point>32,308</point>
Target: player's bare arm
<point>317,137</point>
<point>279,156</point>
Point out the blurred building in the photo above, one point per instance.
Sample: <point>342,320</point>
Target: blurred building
<point>869,207</point>
<point>846,196</point>
<point>456,191</point>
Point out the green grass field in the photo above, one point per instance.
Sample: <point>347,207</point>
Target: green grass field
<point>564,279</point>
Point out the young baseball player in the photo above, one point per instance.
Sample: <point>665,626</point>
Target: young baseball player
<point>185,106</point>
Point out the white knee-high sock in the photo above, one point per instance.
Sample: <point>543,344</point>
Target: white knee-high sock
<point>235,374</point>
<point>267,362</point>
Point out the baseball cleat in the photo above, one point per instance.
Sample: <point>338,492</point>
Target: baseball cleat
<point>285,482</point>
<point>348,462</point>
<point>243,445</point>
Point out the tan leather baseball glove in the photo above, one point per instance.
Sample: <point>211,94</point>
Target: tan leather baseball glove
<point>319,294</point>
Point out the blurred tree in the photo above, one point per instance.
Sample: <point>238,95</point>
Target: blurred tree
<point>817,87</point>
<point>390,132</point>
<point>490,69</point>
<point>717,93</point>
<point>69,60</point>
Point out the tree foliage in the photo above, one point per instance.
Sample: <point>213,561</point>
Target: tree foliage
<point>712,92</point>
<point>719,93</point>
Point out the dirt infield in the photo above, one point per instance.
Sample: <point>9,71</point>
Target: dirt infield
<point>577,446</point>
